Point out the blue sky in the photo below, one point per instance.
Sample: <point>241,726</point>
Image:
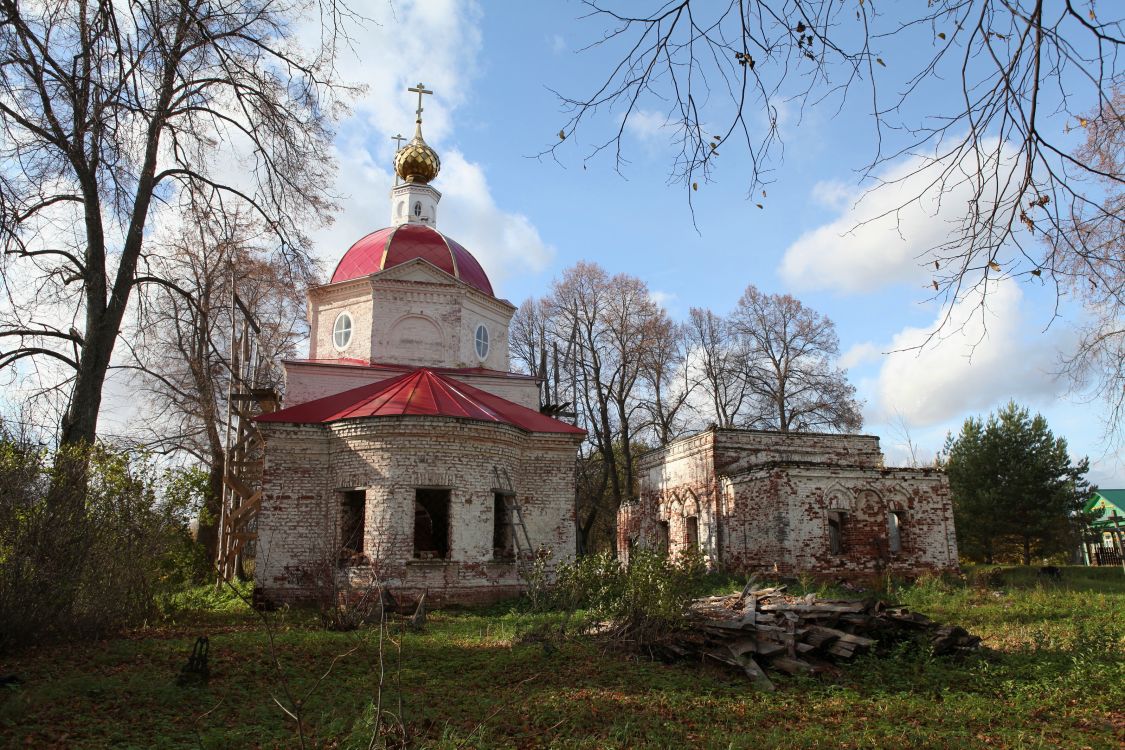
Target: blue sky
<point>493,66</point>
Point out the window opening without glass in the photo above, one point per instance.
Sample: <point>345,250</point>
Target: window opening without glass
<point>431,524</point>
<point>503,536</point>
<point>691,532</point>
<point>836,532</point>
<point>894,532</point>
<point>353,510</point>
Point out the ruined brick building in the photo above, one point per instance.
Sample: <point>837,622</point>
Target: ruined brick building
<point>406,448</point>
<point>790,502</point>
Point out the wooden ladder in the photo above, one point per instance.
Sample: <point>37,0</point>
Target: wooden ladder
<point>525,553</point>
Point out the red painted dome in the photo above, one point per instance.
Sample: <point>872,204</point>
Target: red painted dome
<point>393,246</point>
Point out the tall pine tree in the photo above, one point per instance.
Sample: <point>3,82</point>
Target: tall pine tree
<point>1013,485</point>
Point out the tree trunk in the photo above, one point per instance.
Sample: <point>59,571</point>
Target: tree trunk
<point>105,313</point>
<point>1026,549</point>
<point>80,424</point>
<point>584,530</point>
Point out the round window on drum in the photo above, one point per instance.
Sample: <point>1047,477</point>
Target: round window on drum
<point>482,341</point>
<point>342,330</point>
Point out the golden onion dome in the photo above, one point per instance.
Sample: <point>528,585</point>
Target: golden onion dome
<point>416,161</point>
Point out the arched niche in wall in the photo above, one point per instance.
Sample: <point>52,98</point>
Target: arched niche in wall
<point>870,502</point>
<point>416,338</point>
<point>671,507</point>
<point>690,504</point>
<point>689,512</point>
<point>898,534</point>
<point>897,499</point>
<point>839,497</point>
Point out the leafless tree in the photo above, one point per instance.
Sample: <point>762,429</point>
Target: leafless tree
<point>789,365</point>
<point>635,328</point>
<point>577,309</point>
<point>901,429</point>
<point>1024,71</point>
<point>1089,253</point>
<point>717,361</point>
<point>665,380</point>
<point>180,345</point>
<point>113,111</point>
<point>527,336</point>
<point>613,323</point>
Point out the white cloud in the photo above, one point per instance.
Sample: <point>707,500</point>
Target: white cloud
<point>558,44</point>
<point>883,235</point>
<point>662,298</point>
<point>506,244</point>
<point>833,194</point>
<point>979,359</point>
<point>647,126</point>
<point>433,41</point>
<point>860,354</point>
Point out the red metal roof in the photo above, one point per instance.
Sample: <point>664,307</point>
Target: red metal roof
<point>393,246</point>
<point>422,393</point>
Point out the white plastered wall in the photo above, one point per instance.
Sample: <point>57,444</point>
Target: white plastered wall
<point>412,314</point>
<point>325,306</point>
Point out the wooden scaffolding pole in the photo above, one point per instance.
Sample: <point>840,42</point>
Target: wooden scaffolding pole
<point>247,398</point>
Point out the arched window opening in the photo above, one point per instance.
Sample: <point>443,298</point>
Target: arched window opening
<point>894,532</point>
<point>482,341</point>
<point>836,532</point>
<point>342,330</point>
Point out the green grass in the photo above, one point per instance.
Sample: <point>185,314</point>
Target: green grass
<point>1054,678</point>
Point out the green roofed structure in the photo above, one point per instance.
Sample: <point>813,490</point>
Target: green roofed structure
<point>1106,509</point>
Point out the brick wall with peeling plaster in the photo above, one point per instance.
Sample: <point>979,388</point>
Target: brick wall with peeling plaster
<point>763,501</point>
<point>308,467</point>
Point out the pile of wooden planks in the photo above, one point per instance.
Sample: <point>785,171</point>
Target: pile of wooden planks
<point>767,629</point>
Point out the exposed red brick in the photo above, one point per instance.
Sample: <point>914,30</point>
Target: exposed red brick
<point>763,499</point>
<point>307,467</point>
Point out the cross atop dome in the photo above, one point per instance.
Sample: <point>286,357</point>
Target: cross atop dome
<point>413,200</point>
<point>417,162</point>
<point>398,139</point>
<point>420,89</point>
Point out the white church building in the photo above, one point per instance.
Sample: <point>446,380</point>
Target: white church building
<point>407,450</point>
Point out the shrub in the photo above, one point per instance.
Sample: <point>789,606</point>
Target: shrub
<point>641,602</point>
<point>86,547</point>
<point>537,580</point>
<point>231,597</point>
<point>185,563</point>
